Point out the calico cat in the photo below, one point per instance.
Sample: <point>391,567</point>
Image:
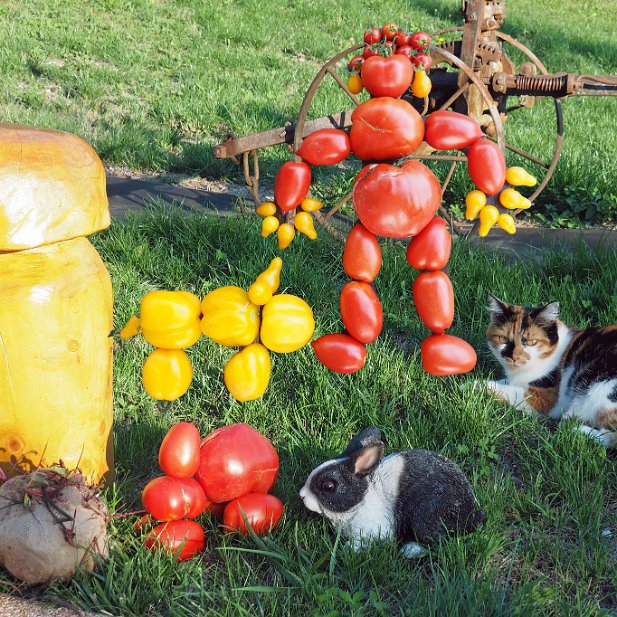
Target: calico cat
<point>555,370</point>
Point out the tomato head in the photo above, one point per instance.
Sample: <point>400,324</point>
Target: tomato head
<point>389,76</point>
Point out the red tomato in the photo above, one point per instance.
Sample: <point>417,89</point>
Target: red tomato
<point>385,128</point>
<point>486,165</point>
<point>369,51</point>
<point>396,202</point>
<point>389,30</point>
<point>389,76</point>
<point>325,147</point>
<point>179,451</point>
<point>448,130</point>
<point>420,41</point>
<point>372,35</point>
<point>443,354</point>
<point>362,255</point>
<point>170,499</point>
<point>402,38</point>
<point>355,63</point>
<point>291,185</point>
<point>430,249</point>
<point>263,513</point>
<point>361,311</point>
<point>405,50</point>
<point>184,539</point>
<point>236,460</point>
<point>422,61</point>
<point>434,299</point>
<point>340,352</point>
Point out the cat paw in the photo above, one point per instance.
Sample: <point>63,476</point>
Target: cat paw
<point>601,436</point>
<point>411,550</point>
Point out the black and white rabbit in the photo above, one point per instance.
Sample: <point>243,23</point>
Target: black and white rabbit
<point>414,496</point>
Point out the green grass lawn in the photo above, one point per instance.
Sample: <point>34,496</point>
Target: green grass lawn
<point>154,84</point>
<point>548,493</point>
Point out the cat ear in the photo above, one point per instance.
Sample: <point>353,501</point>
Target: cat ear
<point>549,311</point>
<point>496,306</point>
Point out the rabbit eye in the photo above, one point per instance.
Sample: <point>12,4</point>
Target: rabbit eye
<point>328,486</point>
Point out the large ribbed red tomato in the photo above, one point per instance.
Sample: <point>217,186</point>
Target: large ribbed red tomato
<point>184,539</point>
<point>448,130</point>
<point>430,249</point>
<point>396,202</point>
<point>291,185</point>
<point>325,147</point>
<point>361,311</point>
<point>362,255</point>
<point>340,352</point>
<point>236,460</point>
<point>386,76</point>
<point>434,299</point>
<point>443,354</point>
<point>170,499</point>
<point>179,451</point>
<point>487,166</point>
<point>263,513</point>
<point>385,128</point>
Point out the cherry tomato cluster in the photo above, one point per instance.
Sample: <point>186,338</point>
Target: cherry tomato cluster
<point>388,61</point>
<point>491,207</point>
<point>258,321</point>
<point>227,474</point>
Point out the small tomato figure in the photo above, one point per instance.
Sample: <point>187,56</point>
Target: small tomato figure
<point>263,513</point>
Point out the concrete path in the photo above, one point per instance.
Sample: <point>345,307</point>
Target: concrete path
<point>131,195</point>
<point>14,607</point>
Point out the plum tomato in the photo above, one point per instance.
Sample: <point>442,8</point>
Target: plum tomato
<point>443,354</point>
<point>263,513</point>
<point>449,130</point>
<point>340,352</point>
<point>291,185</point>
<point>325,147</point>
<point>361,311</point>
<point>430,249</point>
<point>362,255</point>
<point>179,451</point>
<point>434,299</point>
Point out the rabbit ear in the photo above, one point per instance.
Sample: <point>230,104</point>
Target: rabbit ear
<point>366,459</point>
<point>367,437</point>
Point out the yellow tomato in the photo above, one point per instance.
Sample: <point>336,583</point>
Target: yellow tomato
<point>303,222</point>
<point>260,292</point>
<point>167,374</point>
<point>266,209</point>
<point>247,373</point>
<point>170,319</point>
<point>309,204</point>
<point>517,176</point>
<point>287,323</point>
<point>475,201</point>
<point>229,317</point>
<point>488,217</point>
<point>272,274</point>
<point>421,85</point>
<point>513,200</point>
<point>131,328</point>
<point>269,225</point>
<point>506,222</point>
<point>354,83</point>
<point>286,233</point>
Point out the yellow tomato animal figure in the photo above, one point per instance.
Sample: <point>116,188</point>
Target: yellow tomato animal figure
<point>286,233</point>
<point>56,305</point>
<point>167,374</point>
<point>506,222</point>
<point>267,283</point>
<point>267,208</point>
<point>229,317</point>
<point>170,319</point>
<point>287,323</point>
<point>247,373</point>
<point>488,217</point>
<point>513,200</point>
<point>475,201</point>
<point>303,222</point>
<point>310,204</point>
<point>269,225</point>
<point>517,176</point>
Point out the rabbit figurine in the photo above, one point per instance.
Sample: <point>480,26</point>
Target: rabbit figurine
<point>414,496</point>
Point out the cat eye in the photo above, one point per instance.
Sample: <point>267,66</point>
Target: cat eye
<point>328,486</point>
<point>531,342</point>
<point>500,339</point>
